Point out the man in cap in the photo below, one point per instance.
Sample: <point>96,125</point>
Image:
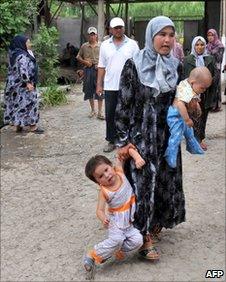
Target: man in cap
<point>114,52</point>
<point>88,56</point>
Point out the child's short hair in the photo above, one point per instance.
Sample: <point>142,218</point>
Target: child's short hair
<point>92,165</point>
<point>200,73</point>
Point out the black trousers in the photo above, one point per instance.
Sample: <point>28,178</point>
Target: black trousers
<point>200,122</point>
<point>111,98</point>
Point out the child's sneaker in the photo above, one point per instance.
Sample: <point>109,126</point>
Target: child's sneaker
<point>89,265</point>
<point>119,255</point>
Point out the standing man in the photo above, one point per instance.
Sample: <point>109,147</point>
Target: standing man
<point>88,55</point>
<point>114,52</point>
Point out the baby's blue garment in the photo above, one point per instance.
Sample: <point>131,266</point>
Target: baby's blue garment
<point>178,129</point>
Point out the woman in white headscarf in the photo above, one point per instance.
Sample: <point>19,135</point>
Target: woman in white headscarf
<point>148,85</point>
<point>199,57</point>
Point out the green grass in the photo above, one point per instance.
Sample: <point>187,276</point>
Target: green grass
<point>53,97</point>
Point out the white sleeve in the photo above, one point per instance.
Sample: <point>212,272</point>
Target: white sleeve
<point>102,58</point>
<point>136,47</point>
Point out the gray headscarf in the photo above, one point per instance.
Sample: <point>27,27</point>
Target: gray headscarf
<point>155,70</point>
<point>199,60</point>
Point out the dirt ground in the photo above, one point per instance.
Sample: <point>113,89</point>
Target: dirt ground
<point>48,206</point>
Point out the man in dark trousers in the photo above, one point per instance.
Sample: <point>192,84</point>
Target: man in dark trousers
<point>114,52</point>
<point>88,56</point>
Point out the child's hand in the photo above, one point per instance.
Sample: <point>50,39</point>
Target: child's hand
<point>139,163</point>
<point>123,152</point>
<point>189,122</point>
<point>106,222</point>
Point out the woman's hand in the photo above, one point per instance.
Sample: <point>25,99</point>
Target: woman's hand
<point>30,86</point>
<point>123,152</point>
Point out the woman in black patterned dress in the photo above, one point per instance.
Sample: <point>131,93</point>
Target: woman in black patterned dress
<point>20,97</point>
<point>147,89</point>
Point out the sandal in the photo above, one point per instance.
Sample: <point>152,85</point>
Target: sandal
<point>149,253</point>
<point>89,265</point>
<point>216,110</point>
<point>19,129</point>
<point>92,114</point>
<point>119,255</point>
<point>38,130</point>
<point>101,117</point>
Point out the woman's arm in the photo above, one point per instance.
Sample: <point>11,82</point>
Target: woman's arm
<point>218,55</point>
<point>126,99</point>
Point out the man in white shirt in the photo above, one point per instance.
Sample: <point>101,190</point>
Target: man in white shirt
<point>114,52</point>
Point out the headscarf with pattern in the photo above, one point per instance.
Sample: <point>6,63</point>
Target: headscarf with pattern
<point>154,70</point>
<point>18,47</point>
<point>216,41</point>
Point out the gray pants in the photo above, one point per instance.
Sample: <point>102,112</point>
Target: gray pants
<point>125,240</point>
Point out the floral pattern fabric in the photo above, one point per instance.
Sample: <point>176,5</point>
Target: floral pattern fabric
<point>21,105</point>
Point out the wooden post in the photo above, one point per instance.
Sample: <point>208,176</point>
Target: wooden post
<point>35,22</point>
<point>126,18</point>
<point>101,20</point>
<point>107,11</point>
<point>212,7</point>
<point>47,13</point>
<point>82,24</point>
<point>222,32</point>
<point>223,38</point>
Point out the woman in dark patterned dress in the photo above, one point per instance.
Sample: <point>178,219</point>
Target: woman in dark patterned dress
<point>216,49</point>
<point>148,85</point>
<point>20,97</point>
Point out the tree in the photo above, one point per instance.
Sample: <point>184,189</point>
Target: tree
<point>15,17</point>
<point>45,47</point>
